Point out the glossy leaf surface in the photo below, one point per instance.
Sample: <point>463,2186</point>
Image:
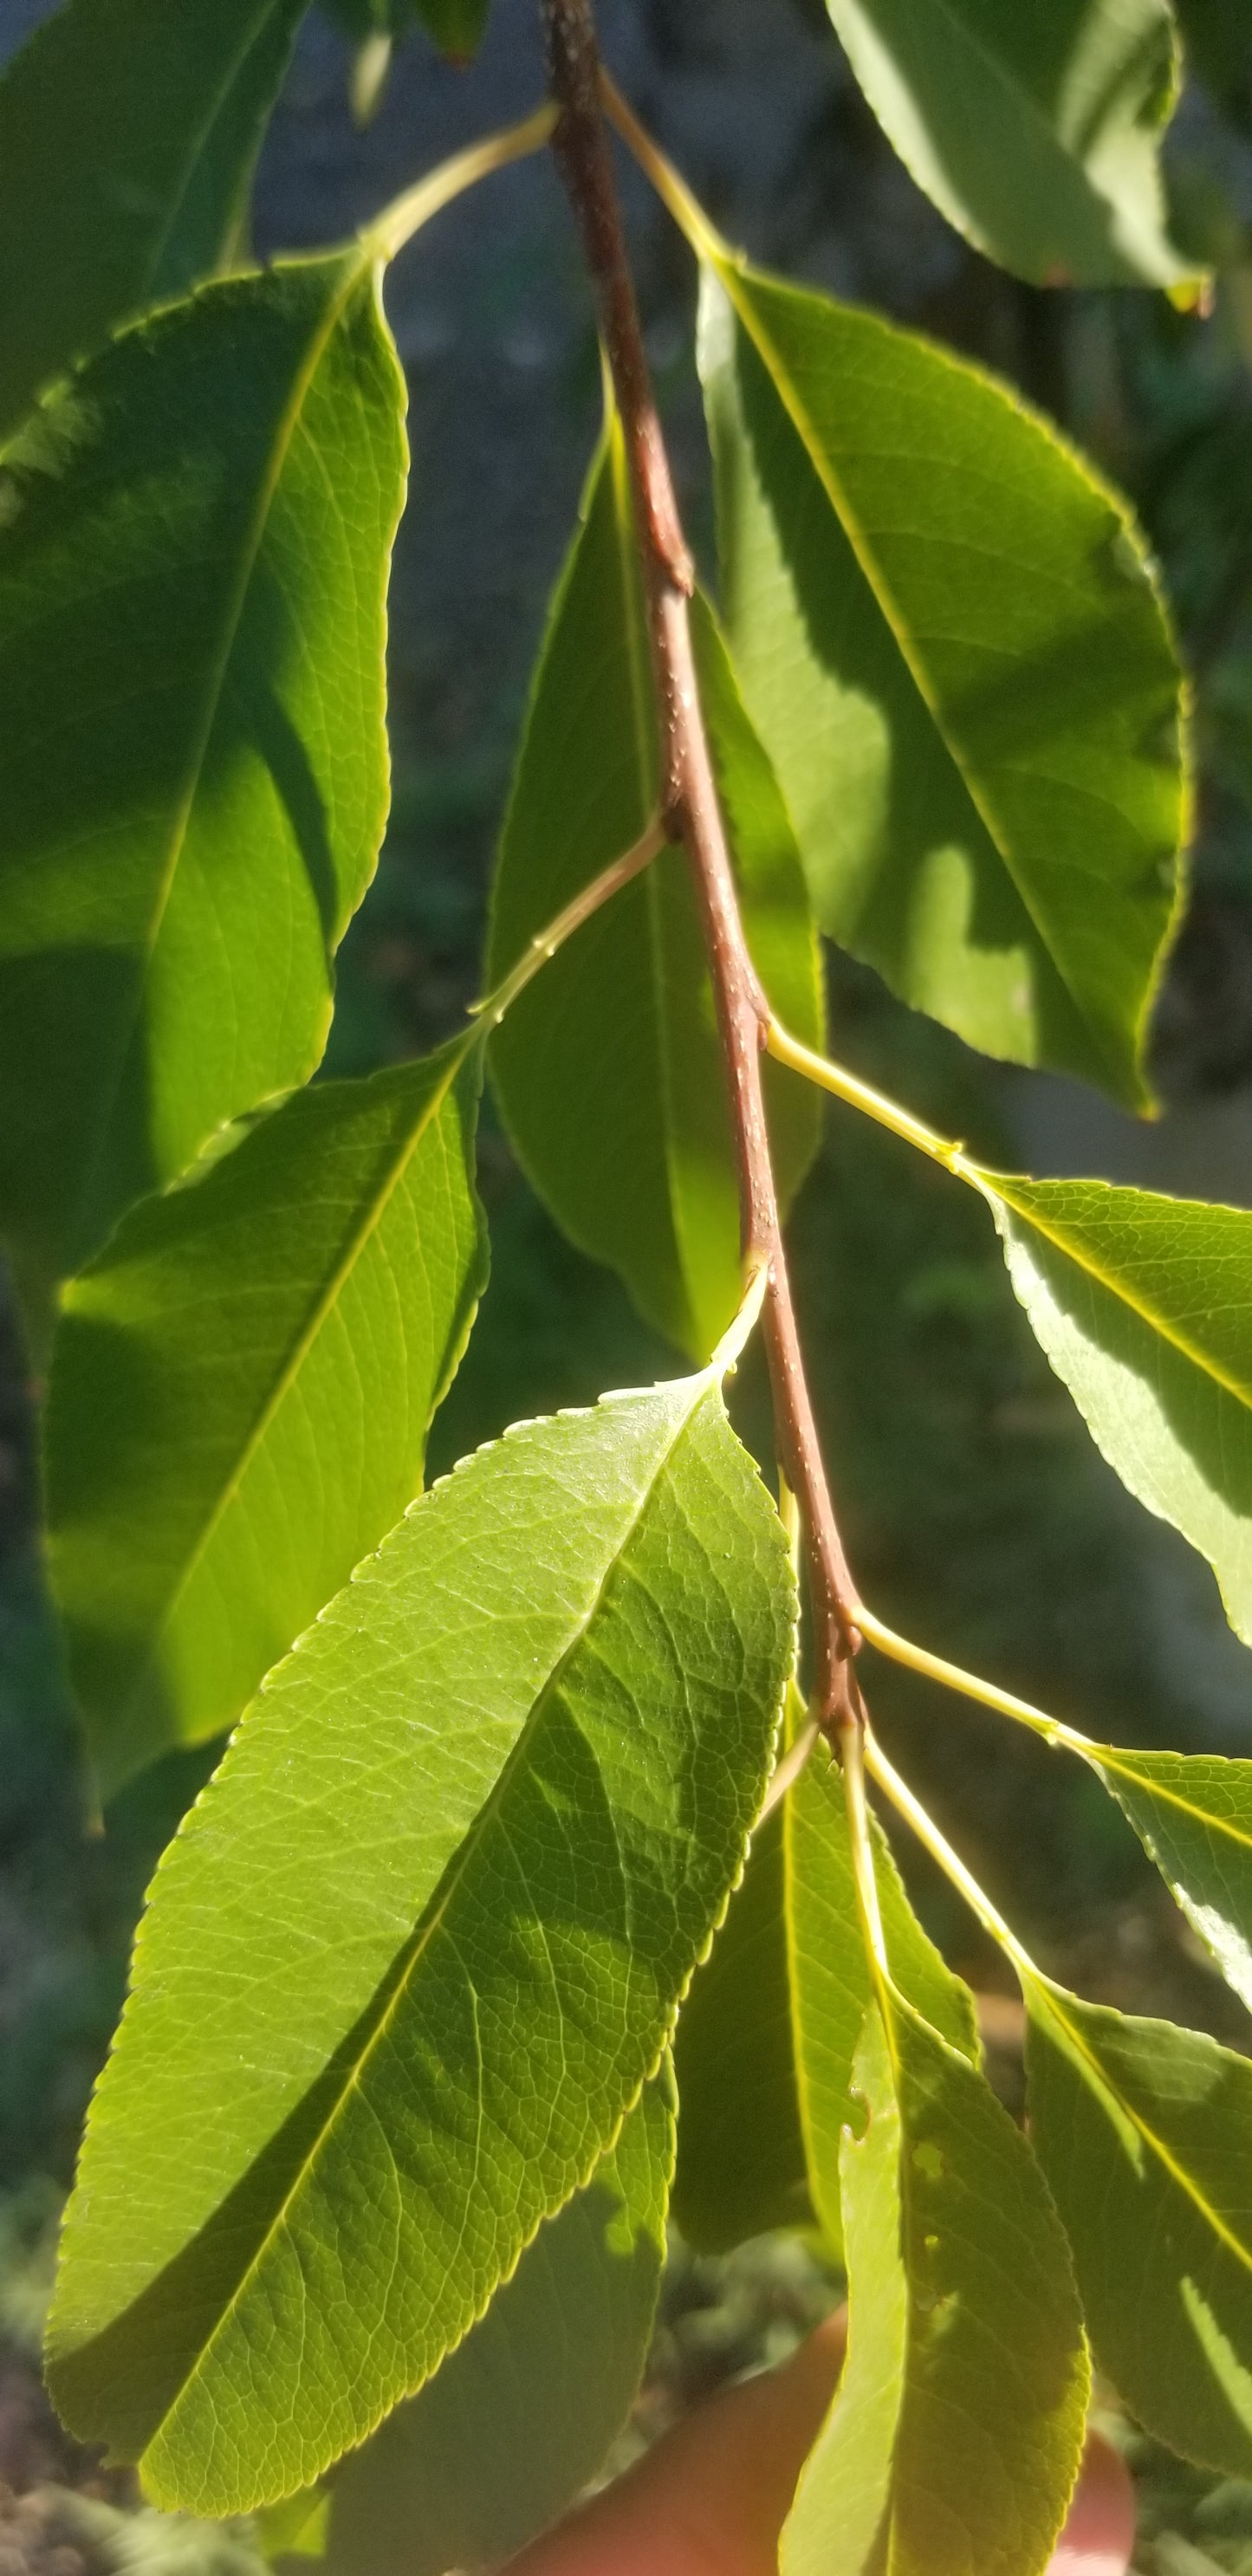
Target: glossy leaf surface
<point>1036,131</point>
<point>948,639</point>
<point>128,132</point>
<point>1145,2134</point>
<point>955,2438</point>
<point>1143,1305</point>
<point>1194,1814</point>
<point>767,2036</point>
<point>420,1942</point>
<point>610,1077</point>
<point>240,1392</point>
<point>521,2415</point>
<point>193,564</point>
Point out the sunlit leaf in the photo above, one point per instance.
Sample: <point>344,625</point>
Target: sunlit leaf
<point>240,1392</point>
<point>1145,2134</point>
<point>611,1077</point>
<point>1143,1305</point>
<point>830,1981</point>
<point>1037,131</point>
<point>194,542</point>
<point>768,2033</point>
<point>1194,1813</point>
<point>128,132</point>
<point>420,1942</point>
<point>520,2416</point>
<point>949,641</point>
<point>955,2437</point>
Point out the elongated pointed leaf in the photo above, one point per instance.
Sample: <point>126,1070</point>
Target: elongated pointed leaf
<point>767,2036</point>
<point>611,1081</point>
<point>420,1943</point>
<point>520,2416</point>
<point>1143,1305</point>
<point>830,1980</point>
<point>948,639</point>
<point>128,132</point>
<point>240,1392</point>
<point>1037,132</point>
<point>193,777</point>
<point>1193,1811</point>
<point>1145,2134</point>
<point>955,2439</point>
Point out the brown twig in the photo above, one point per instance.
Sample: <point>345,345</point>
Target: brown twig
<point>693,816</point>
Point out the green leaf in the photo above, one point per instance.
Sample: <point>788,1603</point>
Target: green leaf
<point>831,1988</point>
<point>611,1080</point>
<point>956,2435</point>
<point>128,134</point>
<point>1143,1305</point>
<point>948,638</point>
<point>420,1942</point>
<point>456,26</point>
<point>520,2416</point>
<point>1193,1812</point>
<point>194,543</point>
<point>1037,132</point>
<point>767,2036</point>
<point>1145,2133</point>
<point>741,2159</point>
<point>240,1392</point>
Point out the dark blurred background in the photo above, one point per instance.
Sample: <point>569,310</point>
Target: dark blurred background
<point>978,1515</point>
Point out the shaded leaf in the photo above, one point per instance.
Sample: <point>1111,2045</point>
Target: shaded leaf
<point>1037,132</point>
<point>1143,1305</point>
<point>128,134</point>
<point>193,565</point>
<point>611,1081</point>
<point>956,2435</point>
<point>521,2415</point>
<point>455,25</point>
<point>949,641</point>
<point>1193,1811</point>
<point>741,2160</point>
<point>420,1942</point>
<point>768,2033</point>
<point>1145,2133</point>
<point>240,1392</point>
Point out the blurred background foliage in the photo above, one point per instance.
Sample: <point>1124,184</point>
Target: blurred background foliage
<point>978,1516</point>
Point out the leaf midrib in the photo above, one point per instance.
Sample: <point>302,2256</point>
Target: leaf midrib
<point>1055,1999</point>
<point>1110,1759</point>
<point>320,1309</point>
<point>880,590</point>
<point>430,1922</point>
<point>1136,1305</point>
<point>354,269</point>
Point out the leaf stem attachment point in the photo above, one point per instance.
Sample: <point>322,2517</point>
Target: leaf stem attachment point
<point>940,1849</point>
<point>572,917</point>
<point>846,1086</point>
<point>936,1668</point>
<point>389,231</point>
